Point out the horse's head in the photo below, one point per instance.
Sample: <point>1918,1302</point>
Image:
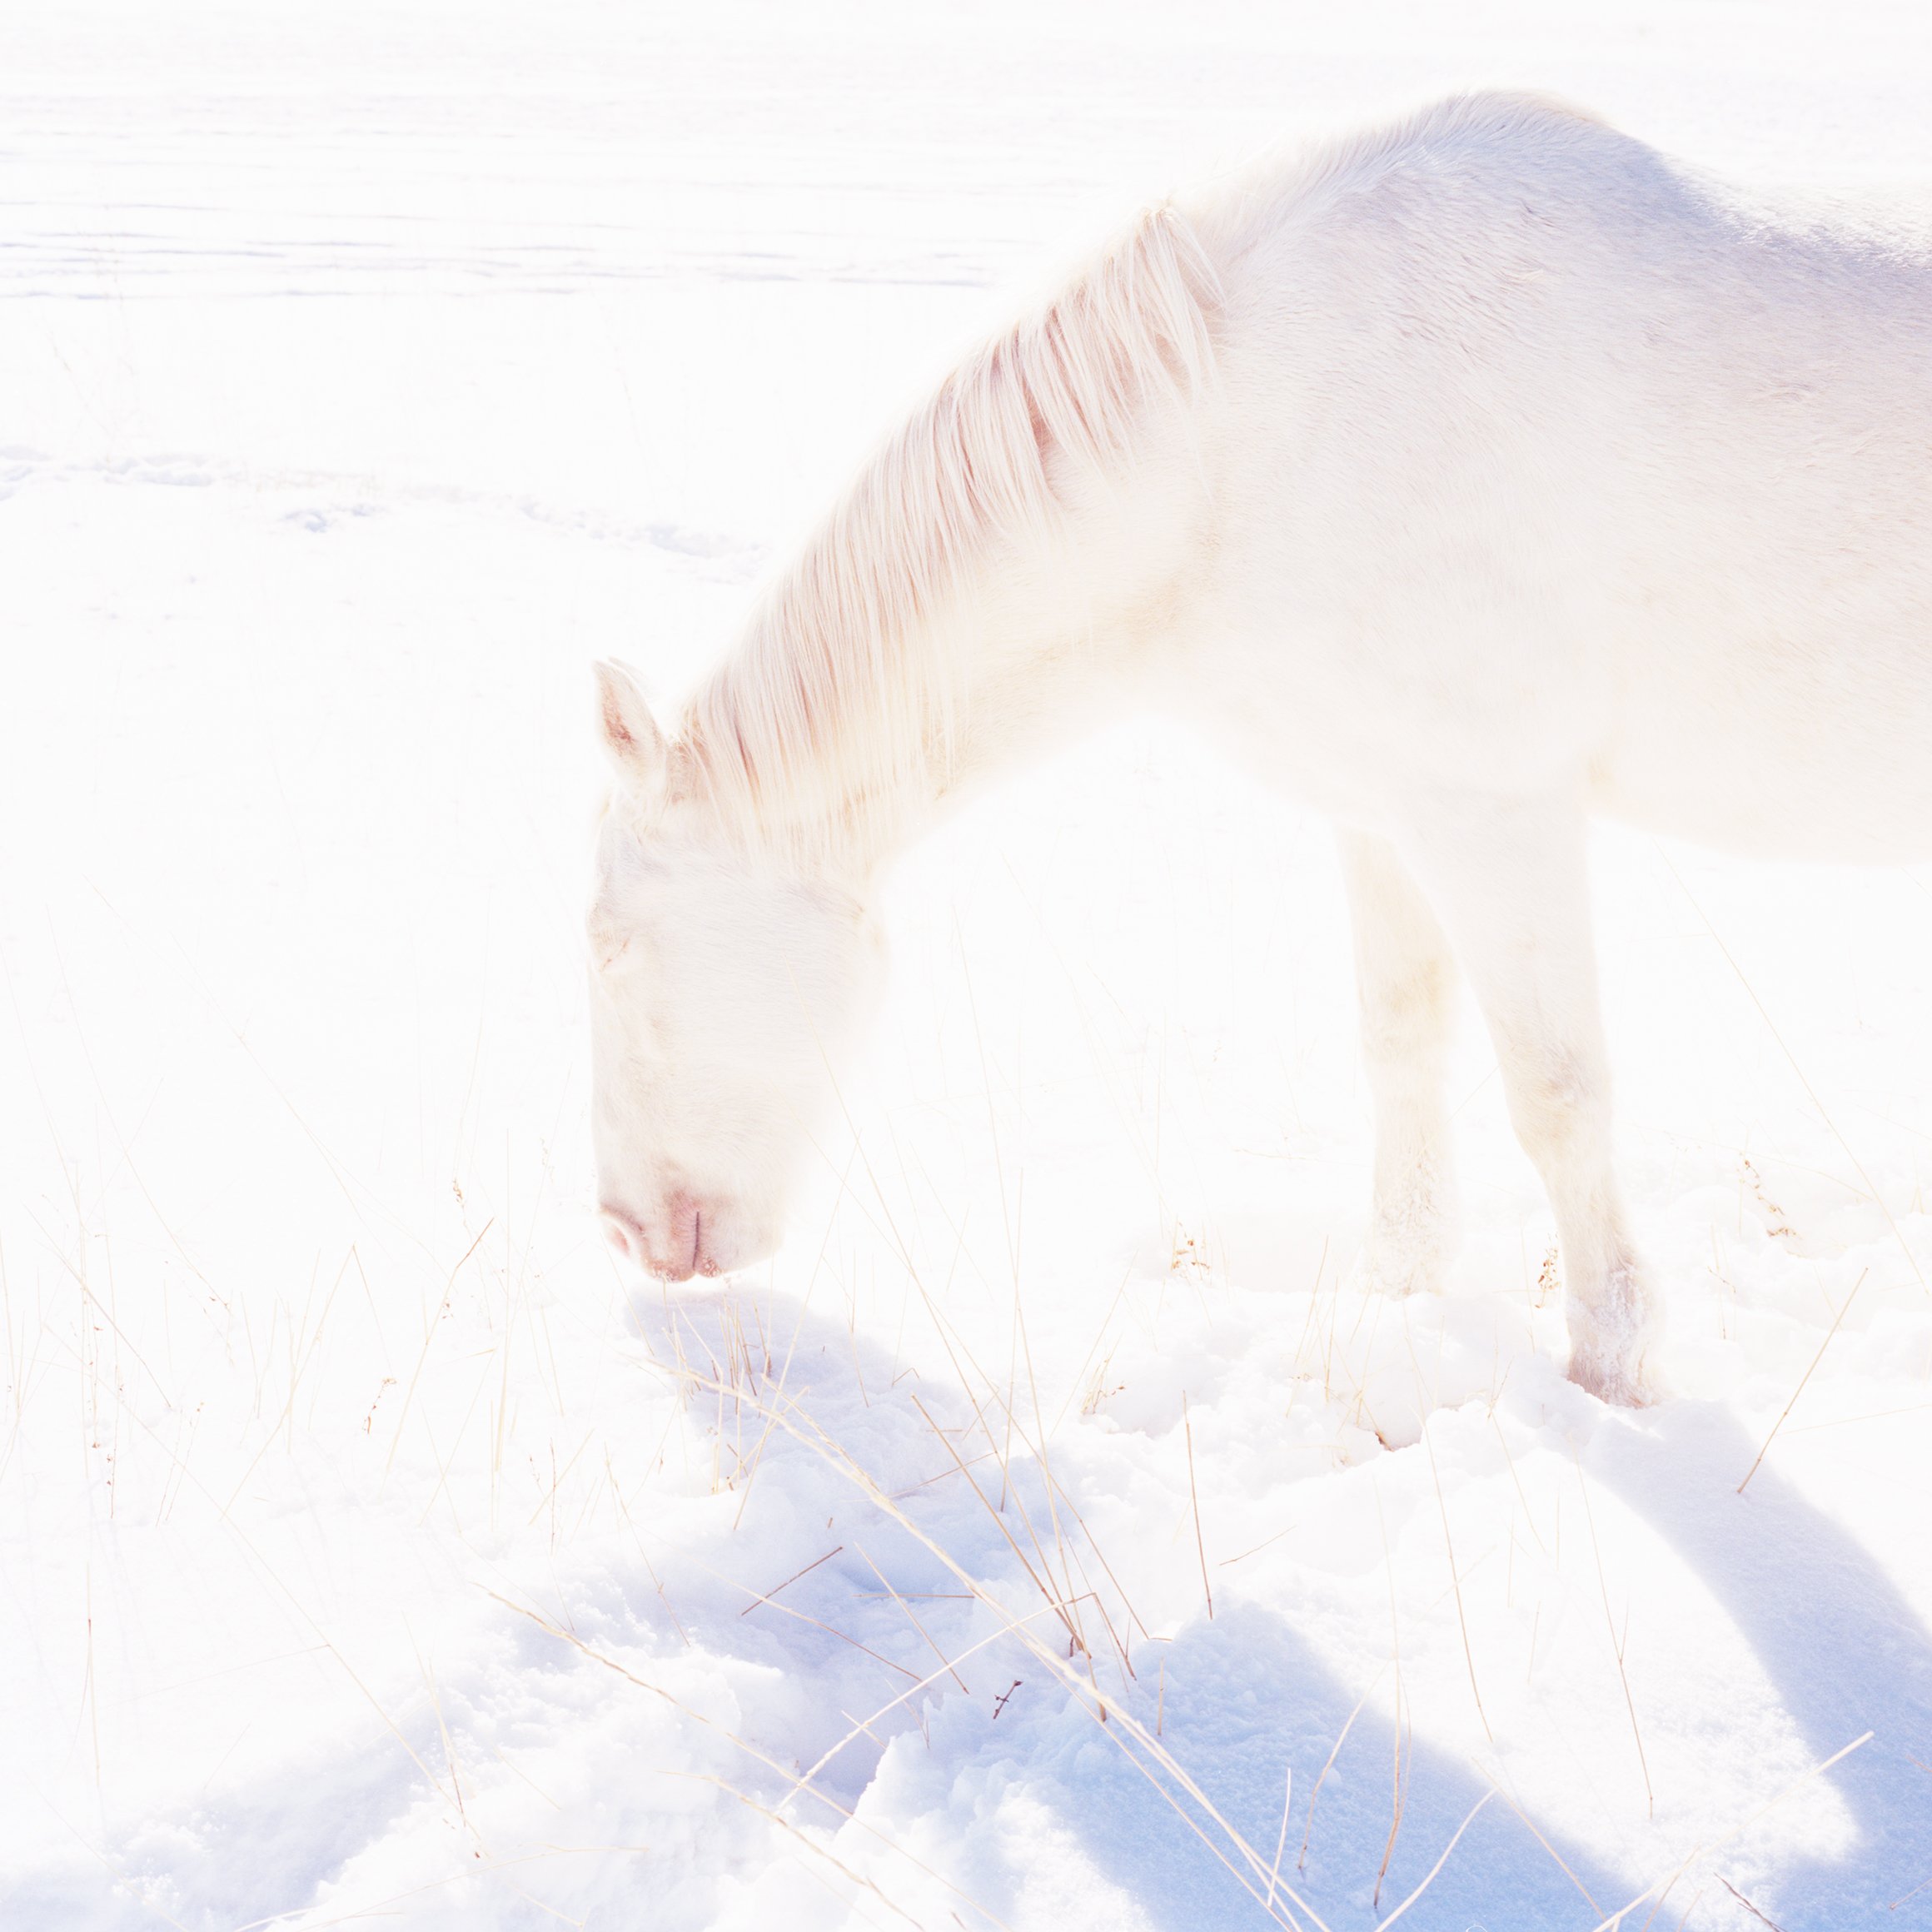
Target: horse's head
<point>725,992</point>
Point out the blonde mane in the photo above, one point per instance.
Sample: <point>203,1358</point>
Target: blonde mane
<point>837,708</point>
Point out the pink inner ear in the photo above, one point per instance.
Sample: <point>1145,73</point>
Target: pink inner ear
<point>615,729</point>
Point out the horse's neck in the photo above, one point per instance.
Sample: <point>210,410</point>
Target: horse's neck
<point>841,749</point>
<point>960,605</point>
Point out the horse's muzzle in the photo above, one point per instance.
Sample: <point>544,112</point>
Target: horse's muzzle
<point>671,1245</point>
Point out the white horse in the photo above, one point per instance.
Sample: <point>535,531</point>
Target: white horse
<point>1467,479</point>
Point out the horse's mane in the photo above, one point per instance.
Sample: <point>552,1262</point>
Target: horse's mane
<point>838,699</point>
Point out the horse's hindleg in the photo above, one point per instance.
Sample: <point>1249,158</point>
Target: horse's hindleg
<point>1405,976</point>
<point>1508,879</point>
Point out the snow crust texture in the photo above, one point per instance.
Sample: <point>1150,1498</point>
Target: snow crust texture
<point>1057,1535</point>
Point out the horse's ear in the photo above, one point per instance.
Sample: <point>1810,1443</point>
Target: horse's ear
<point>631,737</point>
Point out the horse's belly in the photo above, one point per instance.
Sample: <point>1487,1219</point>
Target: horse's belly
<point>1766,750</point>
<point>1834,766</point>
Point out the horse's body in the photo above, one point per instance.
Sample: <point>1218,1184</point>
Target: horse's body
<point>1469,479</point>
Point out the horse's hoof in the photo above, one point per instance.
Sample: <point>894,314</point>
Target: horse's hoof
<point>1624,1384</point>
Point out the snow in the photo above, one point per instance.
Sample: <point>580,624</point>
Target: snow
<point>371,1549</point>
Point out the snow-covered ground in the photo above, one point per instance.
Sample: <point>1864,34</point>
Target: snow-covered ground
<point>372,1551</point>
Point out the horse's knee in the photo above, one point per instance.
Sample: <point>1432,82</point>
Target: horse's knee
<point>1560,1107</point>
<point>1406,1021</point>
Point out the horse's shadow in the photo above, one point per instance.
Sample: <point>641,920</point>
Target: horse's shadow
<point>1844,1650</point>
<point>1244,1696</point>
<point>1234,1700</point>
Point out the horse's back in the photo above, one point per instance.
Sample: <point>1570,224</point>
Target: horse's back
<point>1535,440</point>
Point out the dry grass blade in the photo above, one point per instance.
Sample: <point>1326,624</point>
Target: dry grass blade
<point>844,1869</point>
<point>1616,1643</point>
<point>1400,1724</point>
<point>1803,1379</point>
<point>1073,1632</point>
<point>1684,1919</point>
<point>1455,1581</point>
<point>925,1634</point>
<point>1341,1739</point>
<point>862,1728</point>
<point>1438,1866</point>
<point>100,1308</point>
<point>801,1616</point>
<point>768,1596</point>
<point>1530,1825</point>
<point>1100,1557</point>
<point>1760,1916</point>
<point>798,1325</point>
<point>1281,1841</point>
<point>1614,1923</point>
<point>1904,1897</point>
<point>1058,1498</point>
<point>429,1338</point>
<point>1810,1092</point>
<point>1522,1496</point>
<point>1194,1496</point>
<point>1398,1788</point>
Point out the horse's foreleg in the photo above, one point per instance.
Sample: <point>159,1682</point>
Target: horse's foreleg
<point>1508,879</point>
<point>1405,976</point>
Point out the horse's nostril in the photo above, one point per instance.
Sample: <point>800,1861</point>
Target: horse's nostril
<point>687,1237</point>
<point>673,1244</point>
<point>622,1235</point>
